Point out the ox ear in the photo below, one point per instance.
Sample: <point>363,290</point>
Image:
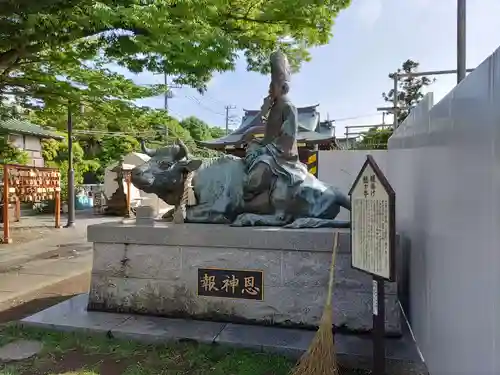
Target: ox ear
<point>190,165</point>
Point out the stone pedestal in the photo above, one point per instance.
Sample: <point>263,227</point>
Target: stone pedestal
<point>145,215</point>
<point>154,270</point>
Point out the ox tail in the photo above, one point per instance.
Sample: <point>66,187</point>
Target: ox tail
<point>312,222</point>
<point>343,200</point>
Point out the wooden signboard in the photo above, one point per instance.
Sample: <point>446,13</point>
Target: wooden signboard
<point>244,284</point>
<point>23,183</point>
<point>372,222</point>
<point>373,239</point>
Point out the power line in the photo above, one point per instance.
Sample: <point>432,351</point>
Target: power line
<point>356,117</point>
<point>208,96</point>
<point>197,101</point>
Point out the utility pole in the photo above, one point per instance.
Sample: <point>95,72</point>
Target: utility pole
<point>228,108</point>
<point>166,102</point>
<point>71,172</point>
<point>461,40</point>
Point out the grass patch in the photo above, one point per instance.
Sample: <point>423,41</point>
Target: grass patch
<point>80,354</point>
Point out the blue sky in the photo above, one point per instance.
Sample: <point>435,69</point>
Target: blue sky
<point>371,39</point>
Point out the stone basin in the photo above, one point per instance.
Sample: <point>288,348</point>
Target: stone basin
<point>155,270</point>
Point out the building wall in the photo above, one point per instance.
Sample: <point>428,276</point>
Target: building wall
<point>32,145</point>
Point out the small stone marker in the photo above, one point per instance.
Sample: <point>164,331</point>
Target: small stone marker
<point>19,350</point>
<point>144,215</point>
<point>373,238</point>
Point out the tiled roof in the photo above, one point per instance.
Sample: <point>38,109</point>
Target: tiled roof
<point>23,127</point>
<point>310,129</point>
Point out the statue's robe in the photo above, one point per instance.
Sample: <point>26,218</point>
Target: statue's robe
<point>278,149</point>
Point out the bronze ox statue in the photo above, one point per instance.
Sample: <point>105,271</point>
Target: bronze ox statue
<point>218,185</point>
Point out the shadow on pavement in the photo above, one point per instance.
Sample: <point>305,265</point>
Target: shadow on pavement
<point>31,307</point>
<point>45,298</point>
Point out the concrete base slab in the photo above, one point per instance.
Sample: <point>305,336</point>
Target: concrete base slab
<point>154,329</point>
<point>352,351</point>
<point>290,342</point>
<point>71,315</point>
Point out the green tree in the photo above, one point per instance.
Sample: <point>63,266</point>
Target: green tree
<point>62,78</point>
<point>107,132</point>
<point>114,119</point>
<point>55,154</point>
<point>410,89</point>
<point>375,139</point>
<point>216,132</point>
<point>198,129</point>
<point>115,148</point>
<point>54,52</point>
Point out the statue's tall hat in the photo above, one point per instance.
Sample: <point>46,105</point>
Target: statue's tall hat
<point>280,68</point>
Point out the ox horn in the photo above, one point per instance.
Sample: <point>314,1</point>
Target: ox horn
<point>147,151</point>
<point>183,150</point>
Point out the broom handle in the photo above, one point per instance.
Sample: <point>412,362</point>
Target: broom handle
<point>332,269</point>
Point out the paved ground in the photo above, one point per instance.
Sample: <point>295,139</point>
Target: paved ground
<point>353,351</point>
<point>49,265</point>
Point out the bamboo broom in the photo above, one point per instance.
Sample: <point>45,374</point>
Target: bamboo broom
<point>320,358</point>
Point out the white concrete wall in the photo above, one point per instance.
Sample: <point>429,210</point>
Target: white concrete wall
<point>444,164</point>
<point>340,168</point>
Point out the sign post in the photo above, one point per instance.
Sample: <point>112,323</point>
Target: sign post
<point>373,239</point>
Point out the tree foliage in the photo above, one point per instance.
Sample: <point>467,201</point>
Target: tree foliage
<point>114,149</point>
<point>10,154</point>
<point>63,77</point>
<point>216,132</point>
<point>410,89</point>
<point>107,132</point>
<point>200,130</point>
<point>375,139</point>
<point>113,118</point>
<point>56,55</point>
<point>57,51</point>
<point>55,154</point>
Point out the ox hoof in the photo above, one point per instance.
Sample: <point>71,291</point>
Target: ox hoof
<point>169,215</point>
<point>251,220</point>
<point>241,221</point>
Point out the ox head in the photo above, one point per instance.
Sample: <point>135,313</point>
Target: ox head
<point>165,172</point>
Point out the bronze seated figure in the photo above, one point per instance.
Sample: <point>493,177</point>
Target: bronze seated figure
<point>269,186</point>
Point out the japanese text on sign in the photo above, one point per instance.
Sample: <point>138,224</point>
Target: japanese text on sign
<point>34,184</point>
<point>245,284</point>
<point>371,224</point>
